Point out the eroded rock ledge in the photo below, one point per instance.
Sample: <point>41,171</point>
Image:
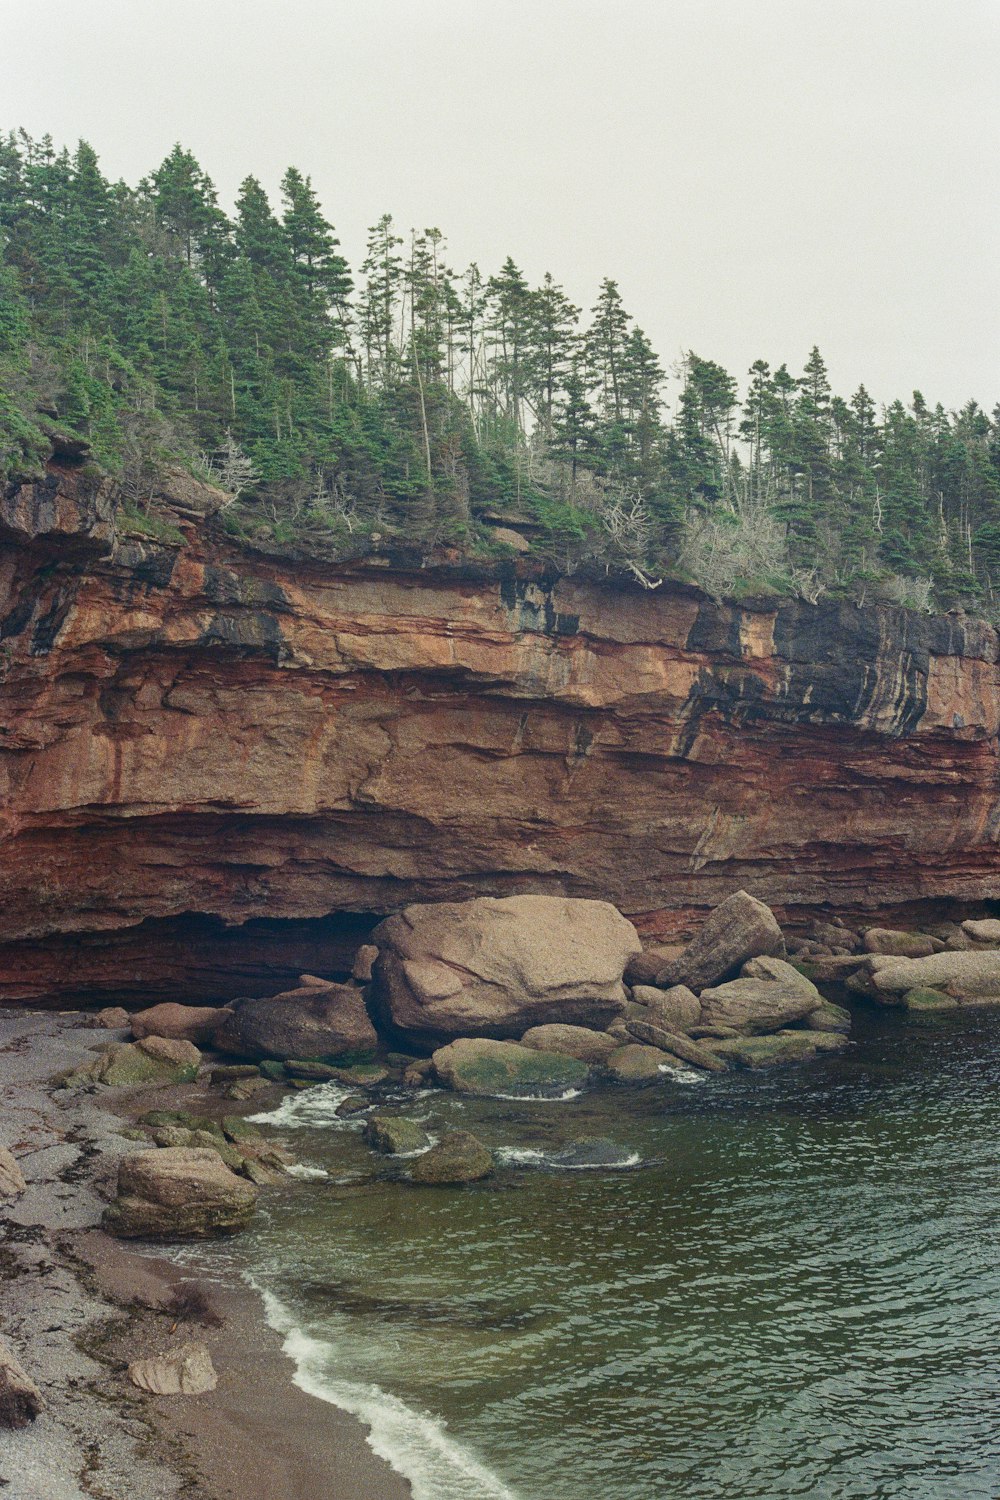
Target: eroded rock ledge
<point>218,768</point>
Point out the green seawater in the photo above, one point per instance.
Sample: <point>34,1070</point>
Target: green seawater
<point>795,1292</point>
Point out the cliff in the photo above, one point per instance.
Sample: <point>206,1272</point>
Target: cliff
<point>218,767</point>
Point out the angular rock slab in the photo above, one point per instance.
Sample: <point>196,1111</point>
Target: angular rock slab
<point>740,928</point>
<point>754,1006</point>
<point>178,1192</point>
<point>497,967</point>
<point>184,1371</point>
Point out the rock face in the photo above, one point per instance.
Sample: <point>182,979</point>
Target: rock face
<point>474,1065</point>
<point>321,1021</point>
<point>178,1193</point>
<point>495,968</point>
<point>222,767</point>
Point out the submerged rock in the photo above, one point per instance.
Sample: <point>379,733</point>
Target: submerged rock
<point>320,1022</point>
<point>479,1065</point>
<point>457,1158</point>
<point>178,1193</point>
<point>781,1047</point>
<point>928,1000</point>
<point>184,1371</point>
<point>495,968</point>
<point>394,1135</point>
<point>571,1041</point>
<point>740,928</point>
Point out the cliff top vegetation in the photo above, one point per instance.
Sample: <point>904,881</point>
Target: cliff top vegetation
<point>404,404</point>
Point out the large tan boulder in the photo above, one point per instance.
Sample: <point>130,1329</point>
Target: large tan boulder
<point>678,1009</point>
<point>497,967</point>
<point>180,1023</point>
<point>12,1183</point>
<point>740,928</point>
<point>901,944</point>
<point>984,930</point>
<point>970,978</point>
<point>320,1022</point>
<point>178,1192</point>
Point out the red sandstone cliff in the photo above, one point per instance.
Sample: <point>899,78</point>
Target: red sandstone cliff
<point>216,766</point>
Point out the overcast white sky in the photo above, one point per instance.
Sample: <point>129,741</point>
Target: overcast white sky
<point>758,176</point>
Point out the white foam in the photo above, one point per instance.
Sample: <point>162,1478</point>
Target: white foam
<point>301,1169</point>
<point>415,1444</point>
<point>539,1098</point>
<point>528,1156</point>
<point>683,1075</point>
<point>312,1107</point>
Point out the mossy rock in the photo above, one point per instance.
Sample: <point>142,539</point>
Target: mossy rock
<point>781,1047</point>
<point>928,1000</point>
<point>131,1064</point>
<point>457,1158</point>
<point>394,1135</point>
<point>829,1017</point>
<point>477,1065</point>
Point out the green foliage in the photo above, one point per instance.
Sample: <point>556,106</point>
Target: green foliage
<point>421,408</point>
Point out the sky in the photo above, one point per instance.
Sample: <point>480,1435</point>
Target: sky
<point>759,176</point>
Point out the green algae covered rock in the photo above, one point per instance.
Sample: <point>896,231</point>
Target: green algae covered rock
<point>928,1000</point>
<point>457,1158</point>
<point>394,1135</point>
<point>154,1059</point>
<point>781,1047</point>
<point>829,1017</point>
<point>478,1065</point>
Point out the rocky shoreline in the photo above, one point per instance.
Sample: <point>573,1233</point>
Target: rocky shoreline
<point>127,1373</point>
<point>79,1306</point>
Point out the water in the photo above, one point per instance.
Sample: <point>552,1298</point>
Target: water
<point>794,1292</point>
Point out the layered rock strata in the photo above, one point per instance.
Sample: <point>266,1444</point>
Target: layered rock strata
<point>212,760</point>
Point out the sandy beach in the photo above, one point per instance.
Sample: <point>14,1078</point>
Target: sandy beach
<point>77,1306</point>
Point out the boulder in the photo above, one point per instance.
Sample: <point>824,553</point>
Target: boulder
<point>479,1065</point>
<point>184,1371</point>
<point>586,1046</point>
<point>782,1047</point>
<point>20,1399</point>
<point>680,1046</point>
<point>12,1183</point>
<point>642,968</point>
<point>112,1018</point>
<point>901,944</point>
<point>836,969</point>
<point>155,1059</point>
<point>833,934</point>
<point>928,1000</point>
<point>322,1022</point>
<point>364,963</point>
<point>740,928</point>
<point>181,1192</point>
<point>986,930</point>
<point>181,1023</point>
<point>971,978</point>
<point>457,1158</point>
<point>497,967</point>
<point>829,1017</point>
<point>394,1135</point>
<point>636,1063</point>
<point>354,1104</point>
<point>678,1009</point>
<point>753,1006</point>
<point>781,972</point>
